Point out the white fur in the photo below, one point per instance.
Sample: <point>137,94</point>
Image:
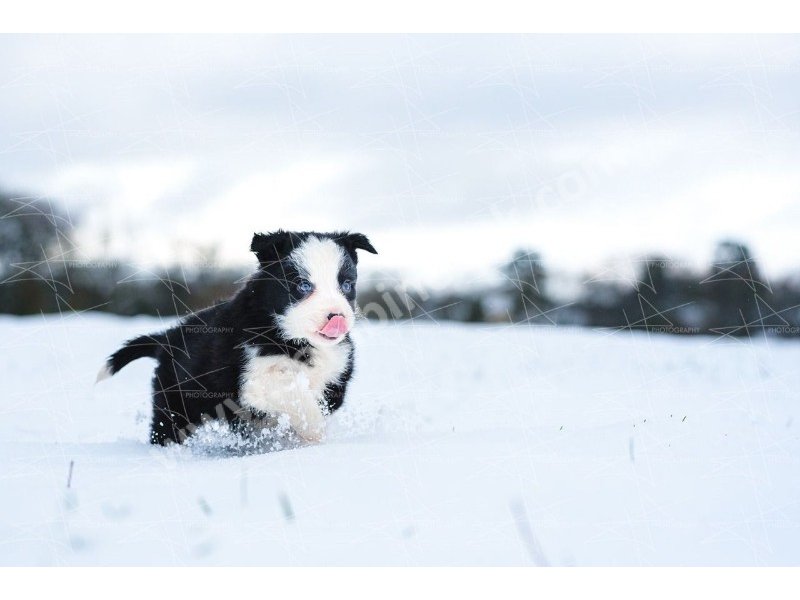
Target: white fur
<point>282,385</point>
<point>319,261</point>
<point>103,373</point>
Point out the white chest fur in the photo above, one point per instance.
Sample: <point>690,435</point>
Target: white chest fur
<point>283,385</point>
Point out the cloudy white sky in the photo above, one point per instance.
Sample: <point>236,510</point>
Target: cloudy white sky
<point>448,151</point>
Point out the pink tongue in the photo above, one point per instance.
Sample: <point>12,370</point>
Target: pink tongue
<point>335,327</point>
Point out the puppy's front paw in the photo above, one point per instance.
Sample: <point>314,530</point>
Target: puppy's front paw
<point>310,424</point>
<point>313,435</point>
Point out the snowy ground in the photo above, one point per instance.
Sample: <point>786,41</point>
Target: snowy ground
<point>458,445</point>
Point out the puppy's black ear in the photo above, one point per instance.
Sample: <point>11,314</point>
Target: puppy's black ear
<point>271,247</point>
<point>355,241</point>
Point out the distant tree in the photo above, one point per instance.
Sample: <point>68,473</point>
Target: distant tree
<point>786,303</point>
<point>34,237</point>
<point>736,291</point>
<point>525,279</point>
<point>30,230</point>
<point>601,303</point>
<point>464,307</point>
<point>664,298</point>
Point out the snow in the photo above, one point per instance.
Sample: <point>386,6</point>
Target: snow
<point>485,445</point>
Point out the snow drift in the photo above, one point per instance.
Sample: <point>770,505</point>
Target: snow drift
<point>481,445</point>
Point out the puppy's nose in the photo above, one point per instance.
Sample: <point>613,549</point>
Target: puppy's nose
<point>331,315</point>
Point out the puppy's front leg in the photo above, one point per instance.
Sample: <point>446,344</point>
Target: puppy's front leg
<point>297,400</point>
<point>277,385</point>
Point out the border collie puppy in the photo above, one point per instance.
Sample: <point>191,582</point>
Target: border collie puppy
<point>280,346</point>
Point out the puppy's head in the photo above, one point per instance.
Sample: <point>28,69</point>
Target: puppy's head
<point>316,275</point>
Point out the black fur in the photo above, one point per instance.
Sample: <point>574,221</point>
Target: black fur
<point>200,360</point>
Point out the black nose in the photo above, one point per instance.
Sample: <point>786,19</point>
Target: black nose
<point>331,315</point>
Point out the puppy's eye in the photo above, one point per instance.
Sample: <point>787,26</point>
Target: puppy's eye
<point>347,286</point>
<point>305,287</point>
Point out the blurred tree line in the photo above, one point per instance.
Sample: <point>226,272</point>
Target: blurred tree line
<point>730,297</point>
<point>39,273</point>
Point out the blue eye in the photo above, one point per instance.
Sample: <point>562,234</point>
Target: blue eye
<point>347,286</point>
<point>305,287</point>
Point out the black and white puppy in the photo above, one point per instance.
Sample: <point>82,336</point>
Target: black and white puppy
<point>280,346</point>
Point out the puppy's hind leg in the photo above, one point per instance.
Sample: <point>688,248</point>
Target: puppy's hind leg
<point>169,424</point>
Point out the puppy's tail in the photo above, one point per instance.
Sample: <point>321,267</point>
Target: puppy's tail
<point>140,347</point>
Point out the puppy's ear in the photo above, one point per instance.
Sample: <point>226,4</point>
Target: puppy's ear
<point>355,241</point>
<point>271,247</point>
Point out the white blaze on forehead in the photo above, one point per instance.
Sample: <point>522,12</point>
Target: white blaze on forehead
<point>319,261</point>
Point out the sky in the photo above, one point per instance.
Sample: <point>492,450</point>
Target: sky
<point>448,151</point>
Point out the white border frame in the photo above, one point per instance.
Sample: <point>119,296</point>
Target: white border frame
<point>418,16</point>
